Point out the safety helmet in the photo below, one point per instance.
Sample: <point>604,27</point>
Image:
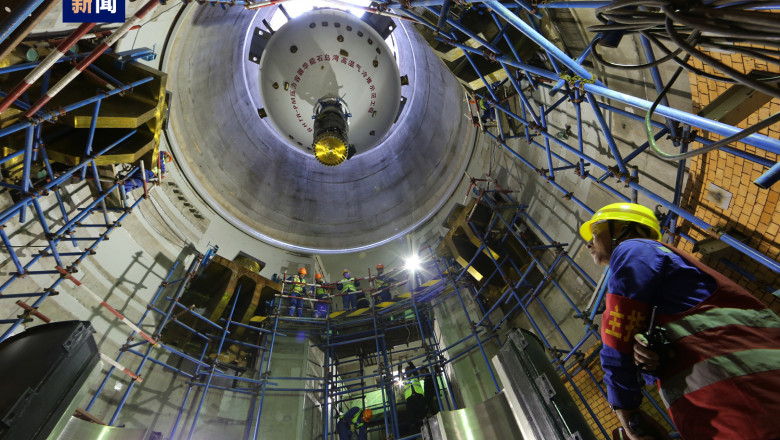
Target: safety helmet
<point>367,413</point>
<point>345,271</point>
<point>380,266</point>
<point>628,212</point>
<point>317,276</point>
<point>302,271</point>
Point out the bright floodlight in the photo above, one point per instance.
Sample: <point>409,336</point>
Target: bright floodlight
<point>413,263</point>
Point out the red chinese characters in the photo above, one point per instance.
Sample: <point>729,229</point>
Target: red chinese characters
<point>301,71</point>
<point>622,319</point>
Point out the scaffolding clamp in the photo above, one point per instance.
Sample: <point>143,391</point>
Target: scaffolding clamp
<point>629,178</point>
<point>568,195</point>
<point>490,55</point>
<point>30,311</point>
<point>714,231</point>
<point>571,79</point>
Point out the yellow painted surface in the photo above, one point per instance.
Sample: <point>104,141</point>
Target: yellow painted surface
<point>498,75</point>
<point>456,52</point>
<point>336,314</point>
<point>359,311</point>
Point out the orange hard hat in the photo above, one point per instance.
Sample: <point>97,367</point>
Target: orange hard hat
<point>317,276</point>
<point>302,271</point>
<point>380,266</point>
<point>367,413</point>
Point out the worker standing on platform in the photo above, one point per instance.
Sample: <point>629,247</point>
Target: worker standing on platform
<point>298,285</point>
<point>382,283</point>
<point>714,349</point>
<point>354,421</point>
<point>321,309</point>
<point>347,285</point>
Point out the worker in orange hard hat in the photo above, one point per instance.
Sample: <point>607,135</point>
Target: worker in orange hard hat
<point>298,285</point>
<point>321,293</point>
<point>382,283</point>
<point>354,421</point>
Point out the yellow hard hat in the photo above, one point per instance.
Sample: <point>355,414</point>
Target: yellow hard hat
<point>367,413</point>
<point>302,271</point>
<point>629,212</point>
<point>345,271</point>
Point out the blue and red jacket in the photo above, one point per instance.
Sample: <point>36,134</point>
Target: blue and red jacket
<point>725,343</point>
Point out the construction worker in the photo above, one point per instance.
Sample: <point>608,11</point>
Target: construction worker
<point>718,367</point>
<point>429,391</point>
<point>298,285</point>
<point>347,285</point>
<point>488,111</point>
<point>321,310</point>
<point>382,283</point>
<point>135,180</point>
<point>354,421</point>
<point>414,395</point>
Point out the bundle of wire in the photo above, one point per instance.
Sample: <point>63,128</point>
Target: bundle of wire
<point>749,28</point>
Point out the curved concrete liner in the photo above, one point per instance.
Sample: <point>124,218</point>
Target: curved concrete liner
<point>278,194</point>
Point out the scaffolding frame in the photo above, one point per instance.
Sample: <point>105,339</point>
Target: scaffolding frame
<point>335,390</point>
<point>64,225</point>
<point>570,80</point>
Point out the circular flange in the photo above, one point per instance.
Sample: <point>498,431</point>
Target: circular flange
<point>326,54</point>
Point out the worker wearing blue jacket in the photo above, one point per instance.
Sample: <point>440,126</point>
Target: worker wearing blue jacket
<point>723,380</point>
<point>298,282</point>
<point>321,309</point>
<point>354,422</point>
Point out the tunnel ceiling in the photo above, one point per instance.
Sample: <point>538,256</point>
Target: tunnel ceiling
<point>282,195</point>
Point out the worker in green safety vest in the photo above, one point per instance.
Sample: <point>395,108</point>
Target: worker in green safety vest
<point>382,283</point>
<point>298,284</point>
<point>347,285</point>
<point>415,399</point>
<point>321,293</point>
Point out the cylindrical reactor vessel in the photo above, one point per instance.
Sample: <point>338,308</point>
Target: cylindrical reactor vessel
<point>329,61</point>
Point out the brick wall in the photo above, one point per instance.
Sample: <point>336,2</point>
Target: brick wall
<point>753,212</point>
<point>590,391</point>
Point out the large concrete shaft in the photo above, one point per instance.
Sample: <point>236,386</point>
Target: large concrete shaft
<point>279,193</point>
